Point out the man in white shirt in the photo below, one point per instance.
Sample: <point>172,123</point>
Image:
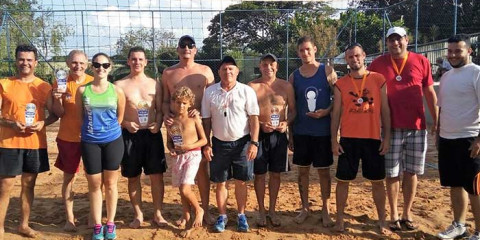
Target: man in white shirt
<point>230,110</point>
<point>459,140</point>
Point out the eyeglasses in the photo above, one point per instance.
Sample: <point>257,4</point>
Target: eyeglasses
<point>184,45</point>
<point>97,65</point>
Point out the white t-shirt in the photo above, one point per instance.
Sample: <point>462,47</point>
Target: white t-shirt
<point>229,111</point>
<point>459,99</point>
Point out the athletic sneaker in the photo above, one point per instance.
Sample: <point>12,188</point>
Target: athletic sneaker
<point>110,232</point>
<point>98,232</point>
<point>220,224</point>
<point>453,231</point>
<point>242,223</point>
<point>475,236</point>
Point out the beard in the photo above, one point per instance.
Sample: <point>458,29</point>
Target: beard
<point>459,65</point>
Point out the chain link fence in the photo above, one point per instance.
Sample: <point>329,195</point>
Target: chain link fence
<point>243,31</point>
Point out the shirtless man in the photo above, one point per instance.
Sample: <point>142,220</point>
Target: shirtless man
<point>141,135</point>
<point>197,77</point>
<point>273,95</point>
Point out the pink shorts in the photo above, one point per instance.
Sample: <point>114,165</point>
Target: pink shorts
<point>185,167</point>
<point>69,154</point>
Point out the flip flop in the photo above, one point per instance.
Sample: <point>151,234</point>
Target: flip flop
<point>408,224</point>
<point>395,225</point>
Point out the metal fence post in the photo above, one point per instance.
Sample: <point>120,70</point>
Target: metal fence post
<point>455,18</point>
<point>221,36</point>
<point>416,26</point>
<point>153,46</point>
<point>83,33</point>
<point>7,32</point>
<point>383,35</point>
<point>355,26</point>
<point>286,43</point>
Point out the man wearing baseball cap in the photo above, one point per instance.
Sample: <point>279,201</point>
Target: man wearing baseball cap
<point>409,77</point>
<point>230,110</point>
<point>274,96</point>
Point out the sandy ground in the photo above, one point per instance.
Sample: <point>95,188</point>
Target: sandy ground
<point>431,208</point>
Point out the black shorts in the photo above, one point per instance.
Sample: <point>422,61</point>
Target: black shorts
<point>102,156</point>
<point>15,161</point>
<point>312,149</point>
<point>230,160</point>
<point>143,149</point>
<point>373,164</point>
<point>456,167</point>
<point>272,153</point>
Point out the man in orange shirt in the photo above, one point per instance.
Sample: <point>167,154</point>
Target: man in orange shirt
<point>68,138</point>
<point>360,104</point>
<point>23,141</point>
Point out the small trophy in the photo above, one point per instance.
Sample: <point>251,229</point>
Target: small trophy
<point>176,133</point>
<point>61,81</point>
<point>275,116</point>
<point>311,100</point>
<point>142,112</point>
<point>30,110</point>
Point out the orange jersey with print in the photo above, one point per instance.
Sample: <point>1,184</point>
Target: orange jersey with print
<point>15,96</point>
<point>361,108</point>
<point>71,121</point>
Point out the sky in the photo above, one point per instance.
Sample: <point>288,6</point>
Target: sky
<point>97,25</point>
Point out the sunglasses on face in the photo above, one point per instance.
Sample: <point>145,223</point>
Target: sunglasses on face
<point>97,65</point>
<point>184,45</point>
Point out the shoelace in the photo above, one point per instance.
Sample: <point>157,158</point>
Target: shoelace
<point>97,229</point>
<point>110,228</point>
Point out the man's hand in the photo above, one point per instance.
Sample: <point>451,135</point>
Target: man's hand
<point>35,127</point>
<point>57,95</point>
<point>290,144</point>
<point>384,147</point>
<point>337,148</point>
<point>267,127</point>
<point>131,127</point>
<point>475,148</point>
<point>319,113</point>
<point>207,152</point>
<point>154,127</point>
<point>18,126</point>
<point>282,127</point>
<point>168,119</point>
<point>252,152</point>
<point>193,113</point>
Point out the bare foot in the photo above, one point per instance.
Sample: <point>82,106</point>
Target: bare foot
<point>185,233</point>
<point>301,217</point>
<point>274,219</point>
<point>136,223</point>
<point>383,229</point>
<point>69,227</point>
<point>27,232</point>
<point>261,219</point>
<point>208,219</point>
<point>160,221</point>
<point>2,233</point>
<point>339,226</point>
<point>181,222</point>
<point>197,222</point>
<point>326,220</point>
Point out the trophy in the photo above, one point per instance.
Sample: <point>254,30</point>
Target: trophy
<point>176,133</point>
<point>30,114</point>
<point>311,98</point>
<point>61,81</point>
<point>275,116</point>
<point>142,112</point>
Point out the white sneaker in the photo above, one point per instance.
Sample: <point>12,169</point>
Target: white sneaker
<point>453,231</point>
<point>475,236</point>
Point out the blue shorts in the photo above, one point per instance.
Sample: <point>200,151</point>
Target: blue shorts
<point>230,160</point>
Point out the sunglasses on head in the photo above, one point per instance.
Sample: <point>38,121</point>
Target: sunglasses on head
<point>184,45</point>
<point>97,65</point>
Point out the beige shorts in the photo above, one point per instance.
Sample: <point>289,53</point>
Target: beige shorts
<point>185,168</point>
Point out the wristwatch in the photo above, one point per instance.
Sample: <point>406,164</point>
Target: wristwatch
<point>255,143</point>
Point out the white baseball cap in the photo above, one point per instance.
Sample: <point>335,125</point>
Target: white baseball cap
<point>397,30</point>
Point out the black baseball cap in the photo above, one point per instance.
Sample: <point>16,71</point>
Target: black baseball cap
<point>228,59</point>
<point>269,55</point>
<point>186,37</point>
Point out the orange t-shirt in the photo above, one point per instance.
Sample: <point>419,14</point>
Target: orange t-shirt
<point>15,96</point>
<point>71,121</point>
<point>361,118</point>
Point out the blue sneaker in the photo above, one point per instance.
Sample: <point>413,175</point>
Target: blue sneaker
<point>220,224</point>
<point>242,223</point>
<point>110,232</point>
<point>98,232</point>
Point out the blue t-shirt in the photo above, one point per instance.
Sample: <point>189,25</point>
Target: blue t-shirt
<point>100,123</point>
<point>311,94</point>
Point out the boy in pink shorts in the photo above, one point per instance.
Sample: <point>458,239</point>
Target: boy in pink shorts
<point>186,137</point>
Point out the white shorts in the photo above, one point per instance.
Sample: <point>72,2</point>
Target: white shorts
<point>185,168</point>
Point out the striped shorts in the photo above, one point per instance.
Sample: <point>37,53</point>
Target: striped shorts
<point>407,152</point>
